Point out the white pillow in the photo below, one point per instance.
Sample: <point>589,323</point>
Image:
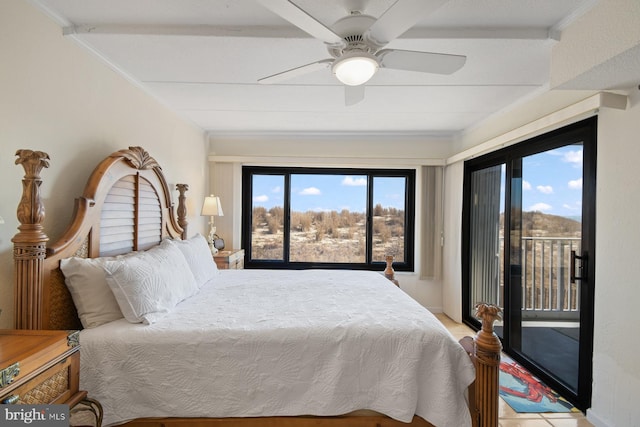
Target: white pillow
<point>149,284</point>
<point>198,255</point>
<point>91,295</point>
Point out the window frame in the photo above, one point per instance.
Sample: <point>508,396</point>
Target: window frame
<point>409,217</point>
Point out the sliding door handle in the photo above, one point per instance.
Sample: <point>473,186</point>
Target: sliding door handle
<point>582,267</point>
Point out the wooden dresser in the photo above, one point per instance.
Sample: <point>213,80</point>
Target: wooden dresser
<point>233,259</point>
<point>40,367</point>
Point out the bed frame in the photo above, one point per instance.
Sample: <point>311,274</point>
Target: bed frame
<point>126,206</point>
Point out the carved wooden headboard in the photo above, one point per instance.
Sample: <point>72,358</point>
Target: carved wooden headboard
<point>126,206</point>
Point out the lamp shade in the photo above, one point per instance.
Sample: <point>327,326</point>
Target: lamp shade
<point>355,69</point>
<point>212,206</point>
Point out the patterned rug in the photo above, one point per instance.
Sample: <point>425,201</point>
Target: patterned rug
<point>526,393</point>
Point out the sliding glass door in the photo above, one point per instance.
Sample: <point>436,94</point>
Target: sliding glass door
<point>529,239</point>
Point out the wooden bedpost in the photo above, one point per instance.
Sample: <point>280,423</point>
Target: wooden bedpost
<point>30,244</point>
<point>182,209</point>
<point>487,350</point>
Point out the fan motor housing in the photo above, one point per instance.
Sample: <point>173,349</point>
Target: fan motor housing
<point>351,28</point>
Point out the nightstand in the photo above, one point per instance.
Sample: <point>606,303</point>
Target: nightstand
<point>42,368</point>
<point>232,260</point>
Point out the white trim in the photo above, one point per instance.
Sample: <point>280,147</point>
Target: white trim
<point>384,162</point>
<point>556,31</point>
<point>580,110</point>
<point>346,135</point>
<point>279,32</point>
<point>59,19</point>
<point>594,419</point>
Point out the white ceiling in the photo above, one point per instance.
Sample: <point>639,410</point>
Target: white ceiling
<point>202,58</point>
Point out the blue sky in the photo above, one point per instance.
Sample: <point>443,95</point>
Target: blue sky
<point>327,192</point>
<point>552,182</point>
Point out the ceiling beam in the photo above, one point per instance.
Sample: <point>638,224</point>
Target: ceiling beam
<point>510,33</point>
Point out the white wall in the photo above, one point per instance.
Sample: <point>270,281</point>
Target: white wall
<point>616,379</point>
<point>58,98</point>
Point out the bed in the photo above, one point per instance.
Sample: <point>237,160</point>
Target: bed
<point>235,347</point>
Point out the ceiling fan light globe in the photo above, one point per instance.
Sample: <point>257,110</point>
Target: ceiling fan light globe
<point>355,70</point>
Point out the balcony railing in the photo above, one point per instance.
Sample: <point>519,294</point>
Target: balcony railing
<point>547,291</point>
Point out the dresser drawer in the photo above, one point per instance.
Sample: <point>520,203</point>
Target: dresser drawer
<point>57,384</point>
<point>232,260</point>
<point>237,264</point>
<point>39,367</point>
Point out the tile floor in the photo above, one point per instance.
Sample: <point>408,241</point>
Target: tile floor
<point>510,418</point>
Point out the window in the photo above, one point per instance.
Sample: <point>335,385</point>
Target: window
<point>328,218</point>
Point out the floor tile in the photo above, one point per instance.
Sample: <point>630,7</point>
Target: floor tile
<point>570,422</point>
<point>524,422</point>
<point>563,415</point>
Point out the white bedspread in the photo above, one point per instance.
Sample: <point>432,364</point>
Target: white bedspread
<point>276,343</point>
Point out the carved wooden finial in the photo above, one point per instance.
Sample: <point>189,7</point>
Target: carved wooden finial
<point>182,208</point>
<point>389,272</point>
<point>487,342</point>
<point>488,313</point>
<point>32,161</point>
<point>137,157</point>
<point>31,210</point>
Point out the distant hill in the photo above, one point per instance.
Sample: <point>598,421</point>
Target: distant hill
<point>538,224</point>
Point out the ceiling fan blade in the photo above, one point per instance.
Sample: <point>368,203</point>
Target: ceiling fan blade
<point>425,62</point>
<point>353,94</point>
<point>295,72</point>
<point>401,16</point>
<point>302,20</point>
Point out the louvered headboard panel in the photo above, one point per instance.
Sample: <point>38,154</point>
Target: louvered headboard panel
<point>117,223</point>
<point>149,216</point>
<point>131,217</point>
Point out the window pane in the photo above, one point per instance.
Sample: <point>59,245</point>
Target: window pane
<point>388,218</point>
<point>487,236</point>
<point>328,222</point>
<point>550,228</point>
<point>267,222</point>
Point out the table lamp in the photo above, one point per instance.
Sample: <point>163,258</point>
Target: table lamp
<point>211,208</point>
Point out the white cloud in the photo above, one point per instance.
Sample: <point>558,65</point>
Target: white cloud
<point>351,182</point>
<point>526,185</point>
<point>310,191</point>
<point>276,189</point>
<point>261,199</point>
<point>574,157</point>
<point>545,189</point>
<point>575,184</point>
<point>577,207</point>
<point>540,207</point>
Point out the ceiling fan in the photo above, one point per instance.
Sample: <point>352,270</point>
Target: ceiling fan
<point>356,43</point>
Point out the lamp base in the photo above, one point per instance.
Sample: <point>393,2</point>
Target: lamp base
<point>214,250</point>
<point>212,236</point>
